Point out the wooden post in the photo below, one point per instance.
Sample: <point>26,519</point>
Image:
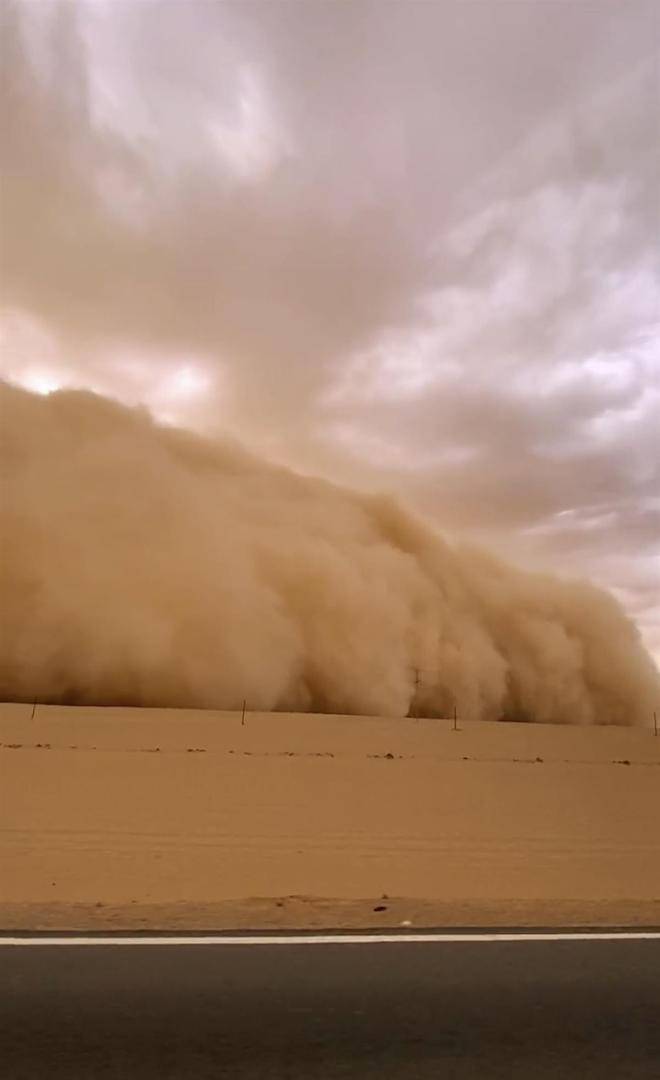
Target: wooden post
<point>243,715</point>
<point>455,724</point>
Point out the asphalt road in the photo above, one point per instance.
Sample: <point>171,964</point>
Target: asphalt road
<point>541,1009</point>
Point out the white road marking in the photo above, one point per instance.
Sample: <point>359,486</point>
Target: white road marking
<point>331,939</point>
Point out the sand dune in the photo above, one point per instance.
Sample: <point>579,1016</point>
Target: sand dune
<point>169,812</point>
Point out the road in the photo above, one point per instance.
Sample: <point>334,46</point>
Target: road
<point>405,1010</point>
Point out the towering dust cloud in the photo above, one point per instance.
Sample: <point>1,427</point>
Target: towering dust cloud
<point>145,565</point>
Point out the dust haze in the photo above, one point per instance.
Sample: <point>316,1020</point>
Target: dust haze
<point>146,565</point>
<point>410,246</point>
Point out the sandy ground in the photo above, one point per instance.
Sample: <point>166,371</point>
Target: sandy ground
<point>168,818</point>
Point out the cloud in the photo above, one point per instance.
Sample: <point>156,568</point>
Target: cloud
<point>411,246</point>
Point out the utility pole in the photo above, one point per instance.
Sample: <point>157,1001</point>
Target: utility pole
<point>418,682</point>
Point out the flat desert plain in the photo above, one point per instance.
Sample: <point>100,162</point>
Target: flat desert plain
<point>173,818</point>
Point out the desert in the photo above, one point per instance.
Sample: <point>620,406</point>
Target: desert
<point>140,818</point>
<point>329,540</point>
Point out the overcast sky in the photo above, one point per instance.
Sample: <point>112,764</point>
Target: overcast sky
<point>410,245</point>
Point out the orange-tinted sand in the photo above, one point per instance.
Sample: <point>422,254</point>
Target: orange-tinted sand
<point>172,818</point>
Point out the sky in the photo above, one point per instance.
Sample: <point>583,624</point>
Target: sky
<point>410,246</point>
